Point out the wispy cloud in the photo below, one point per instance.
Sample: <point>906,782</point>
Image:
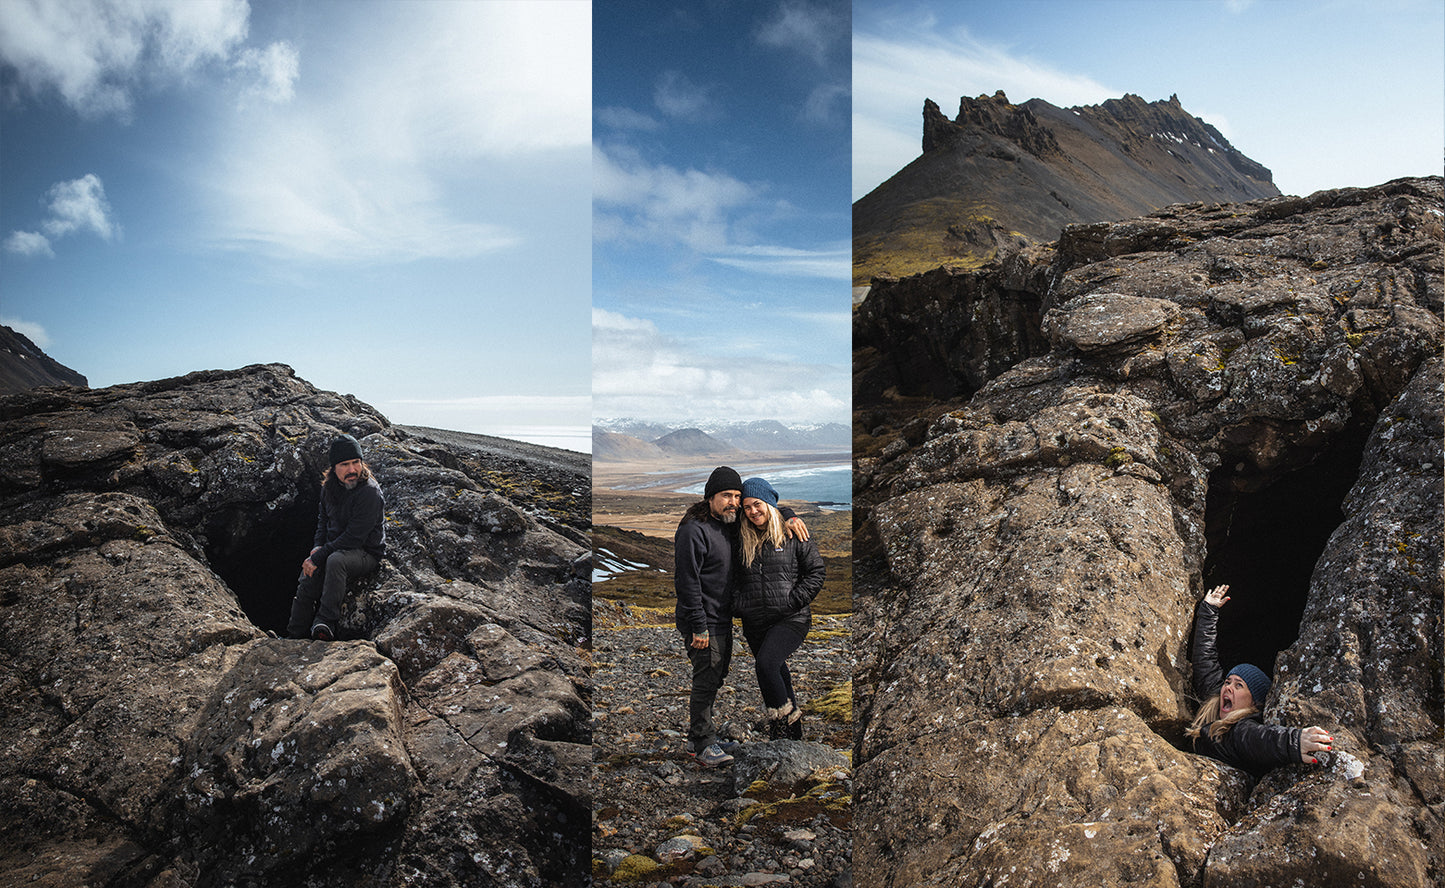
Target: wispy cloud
<point>634,200</point>
<point>368,168</point>
<point>28,243</point>
<point>894,73</point>
<point>620,118</point>
<point>78,205</point>
<point>811,30</point>
<point>834,264</point>
<point>30,330</point>
<point>677,96</point>
<point>97,53</point>
<point>269,74</point>
<point>639,371</point>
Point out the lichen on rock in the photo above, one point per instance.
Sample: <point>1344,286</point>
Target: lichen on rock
<point>155,734</point>
<point>1245,393</point>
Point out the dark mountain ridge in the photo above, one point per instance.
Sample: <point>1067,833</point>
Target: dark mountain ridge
<point>23,366</point>
<point>1002,174</point>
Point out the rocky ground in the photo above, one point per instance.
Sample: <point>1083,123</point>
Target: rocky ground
<point>152,733</point>
<point>780,814</point>
<point>1242,393</point>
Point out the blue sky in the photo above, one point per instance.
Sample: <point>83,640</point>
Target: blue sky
<point>721,217</point>
<point>393,198</point>
<point>1326,93</point>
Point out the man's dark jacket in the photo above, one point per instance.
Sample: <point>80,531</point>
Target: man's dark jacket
<point>349,519</point>
<point>704,550</point>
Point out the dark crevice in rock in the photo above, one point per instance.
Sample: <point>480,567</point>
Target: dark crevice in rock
<point>258,551</point>
<point>1265,545</point>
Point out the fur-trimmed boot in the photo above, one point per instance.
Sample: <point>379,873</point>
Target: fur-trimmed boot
<point>778,721</point>
<point>795,724</point>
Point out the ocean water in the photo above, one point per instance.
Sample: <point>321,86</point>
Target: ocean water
<point>797,482</point>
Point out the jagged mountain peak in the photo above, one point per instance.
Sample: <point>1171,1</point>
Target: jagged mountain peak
<point>1000,175</point>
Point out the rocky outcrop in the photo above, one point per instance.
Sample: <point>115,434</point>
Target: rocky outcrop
<point>155,734</point>
<point>999,174</point>
<point>1245,393</point>
<point>24,366</point>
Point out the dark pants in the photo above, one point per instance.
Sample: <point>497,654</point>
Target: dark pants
<point>709,670</point>
<point>772,645</point>
<point>327,583</point>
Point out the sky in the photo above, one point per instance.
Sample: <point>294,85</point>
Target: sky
<point>393,198</point>
<point>1325,93</point>
<point>721,217</point>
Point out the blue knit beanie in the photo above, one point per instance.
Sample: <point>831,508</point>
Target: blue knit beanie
<point>1259,683</point>
<point>757,488</point>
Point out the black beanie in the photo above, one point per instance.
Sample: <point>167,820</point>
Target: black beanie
<point>722,478</point>
<point>344,448</point>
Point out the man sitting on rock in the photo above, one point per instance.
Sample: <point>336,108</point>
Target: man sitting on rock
<point>350,540</point>
<point>704,548</point>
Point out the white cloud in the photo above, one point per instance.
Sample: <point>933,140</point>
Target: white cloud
<point>626,119</point>
<point>635,200</point>
<point>28,243</point>
<point>551,420</point>
<point>271,72</point>
<point>677,96</point>
<point>78,205</point>
<point>75,206</point>
<point>638,371</point>
<point>833,264</point>
<point>30,330</point>
<point>824,102</point>
<point>96,53</point>
<point>809,30</point>
<point>400,104</point>
<point>892,76</point>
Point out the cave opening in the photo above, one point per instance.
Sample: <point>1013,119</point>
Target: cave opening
<point>257,550</point>
<point>1265,543</point>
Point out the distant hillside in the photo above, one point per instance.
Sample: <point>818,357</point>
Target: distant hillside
<point>756,436</point>
<point>1002,174</point>
<point>771,436</point>
<point>612,447</point>
<point>693,442</point>
<point>23,366</point>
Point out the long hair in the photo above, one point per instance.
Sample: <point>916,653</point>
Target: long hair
<point>329,475</point>
<point>753,538</point>
<point>699,511</point>
<point>1207,720</point>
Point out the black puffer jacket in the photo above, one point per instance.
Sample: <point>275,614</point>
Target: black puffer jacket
<point>1250,744</point>
<point>779,584</point>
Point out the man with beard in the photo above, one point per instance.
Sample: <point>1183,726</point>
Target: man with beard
<point>704,548</point>
<point>350,540</point>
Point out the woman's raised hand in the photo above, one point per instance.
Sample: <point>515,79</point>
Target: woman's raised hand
<point>1312,740</point>
<point>1217,596</point>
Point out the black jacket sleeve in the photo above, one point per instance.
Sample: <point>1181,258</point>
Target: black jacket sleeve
<point>810,576</point>
<point>1254,746</point>
<point>354,524</point>
<point>689,549</point>
<point>1208,674</point>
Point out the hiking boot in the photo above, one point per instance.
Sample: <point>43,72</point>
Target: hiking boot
<point>322,632</point>
<point>712,757</point>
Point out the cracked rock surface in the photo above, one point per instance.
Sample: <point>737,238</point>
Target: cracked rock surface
<point>1031,543</point>
<point>155,735</point>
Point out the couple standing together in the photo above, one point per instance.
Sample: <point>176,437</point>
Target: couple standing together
<point>762,569</point>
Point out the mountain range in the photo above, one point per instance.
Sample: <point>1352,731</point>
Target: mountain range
<point>634,439</point>
<point>1003,174</point>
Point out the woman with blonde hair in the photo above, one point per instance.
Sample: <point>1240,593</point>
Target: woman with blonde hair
<point>778,578</point>
<point>1227,726</point>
